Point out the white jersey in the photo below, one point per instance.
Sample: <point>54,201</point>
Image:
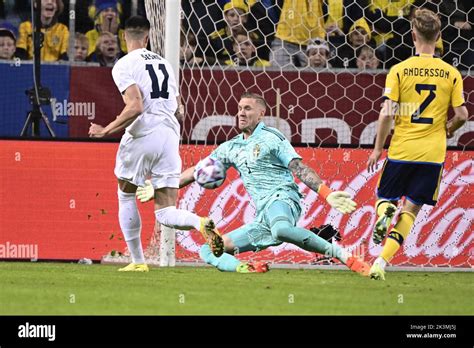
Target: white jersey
<point>155,78</point>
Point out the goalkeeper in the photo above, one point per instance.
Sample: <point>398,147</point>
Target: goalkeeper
<point>267,162</point>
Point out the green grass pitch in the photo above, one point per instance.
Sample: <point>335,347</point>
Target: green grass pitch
<point>70,289</point>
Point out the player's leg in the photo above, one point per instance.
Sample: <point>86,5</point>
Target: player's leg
<point>421,188</point>
<point>127,161</point>
<point>234,242</point>
<point>395,239</point>
<point>237,241</point>
<point>390,187</point>
<point>165,168</point>
<point>167,214</point>
<point>385,210</point>
<point>130,224</point>
<point>282,221</point>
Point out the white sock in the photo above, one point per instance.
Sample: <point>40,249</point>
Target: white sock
<point>131,225</point>
<point>381,262</point>
<point>178,218</point>
<point>136,250</point>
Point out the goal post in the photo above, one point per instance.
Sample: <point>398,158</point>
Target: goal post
<point>164,17</point>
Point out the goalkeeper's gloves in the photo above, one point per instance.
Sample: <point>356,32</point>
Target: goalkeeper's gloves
<point>145,193</point>
<point>339,200</point>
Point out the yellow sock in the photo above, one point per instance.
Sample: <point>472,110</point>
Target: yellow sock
<point>397,235</point>
<point>380,206</point>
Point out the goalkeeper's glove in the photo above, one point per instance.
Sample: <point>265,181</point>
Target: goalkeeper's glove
<point>145,193</point>
<point>339,200</point>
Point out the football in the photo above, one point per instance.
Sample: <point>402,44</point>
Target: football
<point>209,173</point>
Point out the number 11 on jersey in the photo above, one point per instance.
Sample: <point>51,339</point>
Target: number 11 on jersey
<point>156,91</point>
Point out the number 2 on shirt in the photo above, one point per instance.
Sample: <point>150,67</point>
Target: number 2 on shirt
<point>416,117</point>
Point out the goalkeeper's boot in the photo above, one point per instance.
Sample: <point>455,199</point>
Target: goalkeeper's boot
<point>253,267</point>
<point>135,267</point>
<point>383,223</point>
<point>377,272</point>
<point>357,265</point>
<point>211,234</point>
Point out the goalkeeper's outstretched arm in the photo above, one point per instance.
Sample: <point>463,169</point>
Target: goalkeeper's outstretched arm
<point>339,200</point>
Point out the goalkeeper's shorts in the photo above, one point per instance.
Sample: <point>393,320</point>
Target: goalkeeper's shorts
<point>418,182</point>
<point>258,235</point>
<point>154,156</point>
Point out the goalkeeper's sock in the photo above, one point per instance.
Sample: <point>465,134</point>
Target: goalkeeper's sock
<point>225,262</point>
<point>178,218</point>
<point>130,224</point>
<point>398,234</point>
<point>307,240</point>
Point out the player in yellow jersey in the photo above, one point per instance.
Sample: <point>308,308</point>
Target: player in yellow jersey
<point>418,93</point>
<point>300,22</point>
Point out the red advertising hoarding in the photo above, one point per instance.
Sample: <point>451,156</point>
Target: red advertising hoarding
<point>61,197</point>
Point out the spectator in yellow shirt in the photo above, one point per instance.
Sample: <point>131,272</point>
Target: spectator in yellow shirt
<point>56,35</point>
<point>106,19</point>
<point>340,15</point>
<point>245,53</point>
<point>236,14</point>
<point>300,21</point>
<point>360,34</point>
<point>107,51</point>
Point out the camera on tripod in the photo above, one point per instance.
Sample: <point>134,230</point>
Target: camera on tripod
<point>37,95</point>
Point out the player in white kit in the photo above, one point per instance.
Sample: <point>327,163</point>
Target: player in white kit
<point>150,146</point>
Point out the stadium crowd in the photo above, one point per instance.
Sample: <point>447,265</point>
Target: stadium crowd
<point>323,34</point>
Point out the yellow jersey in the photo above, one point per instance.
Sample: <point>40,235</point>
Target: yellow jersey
<point>335,13</point>
<point>300,21</point>
<point>392,8</point>
<point>424,87</point>
<point>55,41</point>
<point>93,37</point>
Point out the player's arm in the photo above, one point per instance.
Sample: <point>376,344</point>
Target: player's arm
<point>179,114</point>
<point>460,117</point>
<point>339,200</point>
<point>186,177</point>
<point>133,108</point>
<point>384,127</point>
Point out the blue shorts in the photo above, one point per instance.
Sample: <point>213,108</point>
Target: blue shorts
<point>417,181</point>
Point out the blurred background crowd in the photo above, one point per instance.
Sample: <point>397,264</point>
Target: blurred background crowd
<point>286,34</point>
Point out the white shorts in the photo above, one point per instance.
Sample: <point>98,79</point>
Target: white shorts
<point>154,156</point>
